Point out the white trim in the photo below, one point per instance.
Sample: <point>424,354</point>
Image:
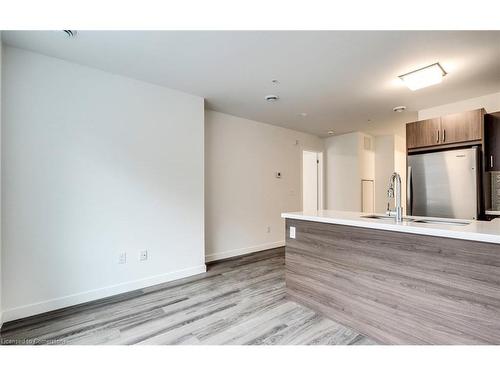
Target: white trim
<point>95,294</point>
<point>243,251</point>
<point>321,183</point>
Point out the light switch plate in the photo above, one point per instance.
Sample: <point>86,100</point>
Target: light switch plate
<point>292,232</point>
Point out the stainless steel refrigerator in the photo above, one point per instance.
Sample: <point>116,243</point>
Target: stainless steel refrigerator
<point>444,184</point>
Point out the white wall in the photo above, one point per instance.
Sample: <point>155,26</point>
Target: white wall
<point>347,163</point>
<point>367,157</point>
<point>95,164</point>
<point>384,167</point>
<point>243,197</point>
<point>390,156</point>
<point>491,103</point>
<point>343,191</point>
<point>400,164</point>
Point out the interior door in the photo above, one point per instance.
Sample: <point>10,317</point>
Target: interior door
<point>312,178</point>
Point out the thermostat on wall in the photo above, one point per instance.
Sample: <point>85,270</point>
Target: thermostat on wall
<point>278,174</point>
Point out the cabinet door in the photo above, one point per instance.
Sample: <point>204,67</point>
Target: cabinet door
<point>462,127</point>
<point>492,141</point>
<point>423,133</point>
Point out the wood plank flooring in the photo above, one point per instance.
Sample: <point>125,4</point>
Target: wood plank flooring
<point>238,301</point>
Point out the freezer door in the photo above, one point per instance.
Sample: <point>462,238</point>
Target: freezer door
<point>443,184</point>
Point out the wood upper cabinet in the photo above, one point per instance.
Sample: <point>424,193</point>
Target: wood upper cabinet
<point>462,127</point>
<point>423,133</point>
<point>492,141</point>
<point>455,128</point>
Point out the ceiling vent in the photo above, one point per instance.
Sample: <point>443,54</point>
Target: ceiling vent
<point>70,33</point>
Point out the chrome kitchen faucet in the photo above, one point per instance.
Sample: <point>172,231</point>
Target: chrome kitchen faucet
<point>395,184</point>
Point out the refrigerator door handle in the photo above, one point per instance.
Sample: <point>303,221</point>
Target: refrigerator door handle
<point>409,190</point>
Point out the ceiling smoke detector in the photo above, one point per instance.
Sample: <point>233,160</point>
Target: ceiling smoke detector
<point>70,33</point>
<point>272,98</point>
<point>399,108</point>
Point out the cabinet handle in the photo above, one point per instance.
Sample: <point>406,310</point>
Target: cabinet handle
<point>444,134</point>
<point>491,161</point>
<point>437,139</point>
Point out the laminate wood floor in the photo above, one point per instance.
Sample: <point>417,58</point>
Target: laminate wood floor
<point>238,301</point>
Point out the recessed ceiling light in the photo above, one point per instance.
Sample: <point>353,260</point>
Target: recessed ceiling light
<point>275,81</point>
<point>302,114</point>
<point>330,132</point>
<point>272,98</point>
<point>423,77</point>
<point>399,108</point>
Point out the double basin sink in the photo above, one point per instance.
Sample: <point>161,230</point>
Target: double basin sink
<point>417,220</point>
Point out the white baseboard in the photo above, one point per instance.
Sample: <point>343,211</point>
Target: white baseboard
<point>242,251</point>
<point>92,295</point>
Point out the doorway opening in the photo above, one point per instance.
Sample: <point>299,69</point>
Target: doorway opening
<point>312,180</point>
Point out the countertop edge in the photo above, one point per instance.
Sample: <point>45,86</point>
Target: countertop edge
<point>426,231</point>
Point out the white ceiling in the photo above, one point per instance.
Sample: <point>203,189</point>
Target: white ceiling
<point>342,79</point>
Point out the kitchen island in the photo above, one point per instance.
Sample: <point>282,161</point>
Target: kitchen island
<point>414,282</point>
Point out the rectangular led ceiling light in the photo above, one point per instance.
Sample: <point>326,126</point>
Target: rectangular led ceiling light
<point>420,78</point>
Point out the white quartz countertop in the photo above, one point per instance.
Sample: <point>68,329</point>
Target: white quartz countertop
<point>483,231</point>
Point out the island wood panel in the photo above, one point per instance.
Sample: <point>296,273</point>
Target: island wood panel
<point>397,287</point>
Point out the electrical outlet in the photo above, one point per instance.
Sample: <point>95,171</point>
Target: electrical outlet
<point>268,229</point>
<point>143,255</point>
<point>122,258</point>
<point>292,232</point>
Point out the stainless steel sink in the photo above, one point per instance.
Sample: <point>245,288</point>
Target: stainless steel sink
<point>384,217</point>
<point>441,222</point>
<point>423,221</point>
